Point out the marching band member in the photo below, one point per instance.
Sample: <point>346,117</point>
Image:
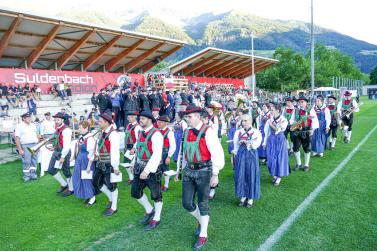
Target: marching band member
<point>306,118</point>
<point>288,112</point>
<point>156,114</point>
<point>264,116</point>
<point>246,171</point>
<point>335,114</point>
<point>180,126</point>
<point>255,113</point>
<point>62,155</point>
<point>213,119</point>
<point>276,145</point>
<point>107,153</point>
<point>26,136</point>
<point>350,105</point>
<point>168,149</point>
<point>319,138</point>
<point>203,158</point>
<point>131,134</point>
<point>47,128</point>
<point>146,171</point>
<point>84,161</point>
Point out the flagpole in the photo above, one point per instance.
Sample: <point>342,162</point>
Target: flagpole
<point>312,51</point>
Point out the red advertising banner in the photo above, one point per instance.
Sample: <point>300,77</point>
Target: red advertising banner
<point>238,83</point>
<point>80,82</point>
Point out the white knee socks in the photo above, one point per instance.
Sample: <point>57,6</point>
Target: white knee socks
<point>212,192</point>
<point>333,142</point>
<point>114,199</point>
<point>145,203</point>
<point>157,210</point>
<point>203,220</point>
<point>130,174</point>
<point>70,184</point>
<point>307,159</point>
<point>59,178</point>
<point>298,158</point>
<point>167,179</point>
<point>106,191</point>
<point>196,213</point>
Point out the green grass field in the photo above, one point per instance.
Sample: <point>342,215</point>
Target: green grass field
<point>342,217</point>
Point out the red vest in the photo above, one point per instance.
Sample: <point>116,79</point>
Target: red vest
<point>106,144</point>
<point>142,138</point>
<point>303,113</point>
<point>131,129</point>
<point>166,139</point>
<point>59,145</point>
<point>155,124</point>
<point>204,152</point>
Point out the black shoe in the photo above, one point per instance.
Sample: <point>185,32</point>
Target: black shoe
<point>200,243</point>
<point>110,212</point>
<point>67,193</point>
<point>147,218</point>
<point>306,168</point>
<point>151,225</point>
<point>62,189</point>
<point>86,201</point>
<point>297,167</point>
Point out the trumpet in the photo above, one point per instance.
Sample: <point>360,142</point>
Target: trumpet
<point>297,126</point>
<point>35,149</point>
<point>348,112</point>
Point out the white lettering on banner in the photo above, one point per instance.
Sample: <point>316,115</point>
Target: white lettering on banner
<point>36,78</point>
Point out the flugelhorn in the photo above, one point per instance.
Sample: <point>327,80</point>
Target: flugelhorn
<point>35,149</point>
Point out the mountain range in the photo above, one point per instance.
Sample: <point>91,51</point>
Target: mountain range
<point>233,30</point>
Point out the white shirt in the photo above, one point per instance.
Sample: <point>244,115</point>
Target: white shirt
<point>354,104</point>
<point>27,133</point>
<point>172,145</point>
<point>215,123</point>
<point>255,141</point>
<point>137,130</point>
<point>281,125</point>
<point>157,145</point>
<point>114,145</point>
<point>214,147</point>
<point>47,127</point>
<point>90,145</point>
<point>312,115</point>
<point>67,138</point>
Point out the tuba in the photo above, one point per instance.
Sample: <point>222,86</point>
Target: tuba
<point>35,149</point>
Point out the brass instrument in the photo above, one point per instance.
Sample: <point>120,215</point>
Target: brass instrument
<point>297,125</point>
<point>348,112</point>
<point>35,149</point>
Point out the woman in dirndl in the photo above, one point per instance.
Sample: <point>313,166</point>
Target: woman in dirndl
<point>83,188</point>
<point>264,116</point>
<point>319,137</point>
<point>246,171</point>
<point>276,145</point>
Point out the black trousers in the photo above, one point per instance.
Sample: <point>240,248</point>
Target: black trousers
<point>348,122</point>
<point>153,182</point>
<point>163,167</point>
<point>65,167</point>
<point>101,176</point>
<point>128,147</point>
<point>196,182</point>
<point>333,129</point>
<point>301,138</point>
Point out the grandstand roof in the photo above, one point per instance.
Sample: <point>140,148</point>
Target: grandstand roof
<point>214,62</point>
<point>31,41</point>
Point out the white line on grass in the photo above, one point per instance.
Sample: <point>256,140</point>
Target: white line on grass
<point>275,237</point>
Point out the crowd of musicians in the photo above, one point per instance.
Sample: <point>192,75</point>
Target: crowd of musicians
<point>152,137</point>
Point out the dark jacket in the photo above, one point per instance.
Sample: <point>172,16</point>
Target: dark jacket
<point>144,103</point>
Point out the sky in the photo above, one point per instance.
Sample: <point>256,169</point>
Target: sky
<point>350,17</point>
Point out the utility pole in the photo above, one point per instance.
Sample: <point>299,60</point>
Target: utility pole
<point>252,66</point>
<point>312,51</point>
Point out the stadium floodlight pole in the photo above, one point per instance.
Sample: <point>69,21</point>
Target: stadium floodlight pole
<point>252,66</point>
<point>312,51</point>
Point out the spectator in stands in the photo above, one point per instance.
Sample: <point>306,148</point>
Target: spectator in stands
<point>66,117</point>
<point>60,89</point>
<point>31,104</point>
<point>115,103</point>
<point>12,99</point>
<point>47,128</point>
<point>36,92</point>
<point>104,102</point>
<point>4,106</point>
<point>68,91</point>
<point>94,100</point>
<point>3,90</point>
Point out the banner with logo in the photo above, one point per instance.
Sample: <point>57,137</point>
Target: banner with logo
<point>80,82</point>
<point>238,83</point>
